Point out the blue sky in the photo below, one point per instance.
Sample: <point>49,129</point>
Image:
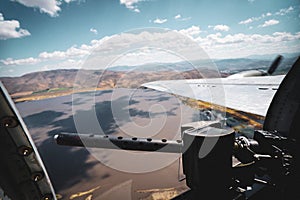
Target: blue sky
<point>41,35</point>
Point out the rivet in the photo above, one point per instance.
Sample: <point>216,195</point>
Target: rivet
<point>25,151</point>
<point>9,122</point>
<point>47,197</point>
<point>37,176</point>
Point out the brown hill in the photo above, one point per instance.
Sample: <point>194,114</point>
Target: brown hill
<point>38,81</point>
<point>64,79</point>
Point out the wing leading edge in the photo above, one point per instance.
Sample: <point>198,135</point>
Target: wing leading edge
<point>248,94</point>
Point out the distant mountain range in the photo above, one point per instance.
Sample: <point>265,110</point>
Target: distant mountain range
<point>65,79</point>
<point>272,56</point>
<point>224,65</point>
<point>152,67</point>
<point>132,76</point>
<point>232,66</point>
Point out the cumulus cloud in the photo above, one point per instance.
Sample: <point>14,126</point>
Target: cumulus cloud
<point>270,22</point>
<point>221,27</point>
<point>281,12</point>
<point>180,18</point>
<point>50,7</point>
<point>247,21</point>
<point>25,61</point>
<point>185,19</point>
<point>268,14</point>
<point>110,48</point>
<point>177,16</point>
<point>136,10</point>
<point>284,11</point>
<point>219,39</point>
<point>93,30</point>
<point>66,64</point>
<point>131,5</point>
<point>253,19</point>
<point>240,45</point>
<point>155,46</point>
<point>191,32</point>
<point>160,21</point>
<point>11,29</point>
<point>220,45</point>
<point>147,55</point>
<point>69,1</point>
<point>72,52</point>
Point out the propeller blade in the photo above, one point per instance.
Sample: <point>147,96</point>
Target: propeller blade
<point>275,64</point>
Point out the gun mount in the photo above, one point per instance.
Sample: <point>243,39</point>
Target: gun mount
<point>211,173</point>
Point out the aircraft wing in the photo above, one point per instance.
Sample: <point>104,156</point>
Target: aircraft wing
<point>248,94</point>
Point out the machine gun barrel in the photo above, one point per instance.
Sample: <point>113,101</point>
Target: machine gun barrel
<point>113,142</point>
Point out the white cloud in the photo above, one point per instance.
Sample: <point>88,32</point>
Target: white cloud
<point>110,49</point>
<point>219,39</point>
<point>247,21</point>
<point>11,29</point>
<point>253,19</point>
<point>180,18</point>
<point>164,47</point>
<point>185,19</point>
<point>51,7</point>
<point>281,12</point>
<point>284,11</point>
<point>69,1</point>
<point>160,21</point>
<point>66,64</point>
<point>221,27</point>
<point>136,10</point>
<point>270,22</point>
<point>131,4</point>
<point>72,52</point>
<point>25,61</point>
<point>147,55</point>
<point>177,16</point>
<point>93,30</point>
<point>240,45</point>
<point>191,32</point>
<point>285,36</point>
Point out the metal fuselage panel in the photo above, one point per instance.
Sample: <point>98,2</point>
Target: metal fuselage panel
<point>23,175</point>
